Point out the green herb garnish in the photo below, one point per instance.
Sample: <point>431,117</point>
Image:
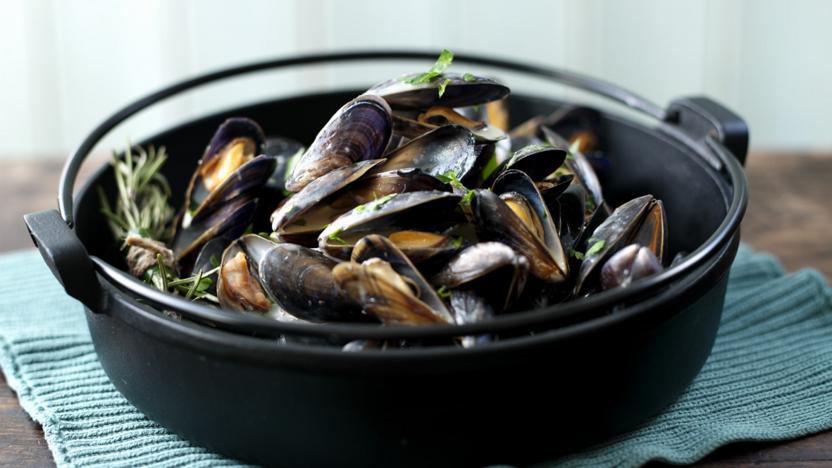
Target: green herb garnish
<point>442,86</point>
<point>193,287</point>
<point>443,292</point>
<point>457,241</point>
<point>575,254</point>
<point>336,236</point>
<point>589,205</point>
<point>596,247</point>
<point>466,199</point>
<point>574,149</point>
<point>442,63</point>
<point>490,167</point>
<point>374,205</point>
<point>450,177</point>
<point>469,77</point>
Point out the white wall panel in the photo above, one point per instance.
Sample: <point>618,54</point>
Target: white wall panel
<point>66,65</point>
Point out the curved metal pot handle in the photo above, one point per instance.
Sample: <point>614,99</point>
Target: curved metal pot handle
<point>701,117</point>
<point>565,77</point>
<point>66,256</point>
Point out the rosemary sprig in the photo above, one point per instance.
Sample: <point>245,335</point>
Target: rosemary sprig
<point>194,287</point>
<point>142,219</point>
<point>141,206</point>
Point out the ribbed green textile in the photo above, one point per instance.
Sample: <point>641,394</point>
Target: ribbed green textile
<point>769,377</point>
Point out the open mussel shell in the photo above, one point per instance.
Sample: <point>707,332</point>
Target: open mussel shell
<point>653,231</point>
<point>306,213</point>
<point>629,264</point>
<point>226,211</point>
<point>429,211</point>
<point>570,122</point>
<point>551,189</point>
<point>359,131</point>
<point>576,215</point>
<point>469,307</point>
<point>522,196</point>
<point>283,150</point>
<point>209,257</point>
<point>537,161</point>
<point>439,116</point>
<point>459,91</point>
<point>387,285</point>
<point>424,246</point>
<point>228,221</point>
<point>238,281</point>
<point>578,164</point>
<point>491,269</point>
<point>246,179</point>
<point>496,221</point>
<point>235,143</point>
<point>447,149</point>
<point>576,124</point>
<point>618,230</point>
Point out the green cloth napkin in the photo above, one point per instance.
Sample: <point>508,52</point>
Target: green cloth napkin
<point>769,377</point>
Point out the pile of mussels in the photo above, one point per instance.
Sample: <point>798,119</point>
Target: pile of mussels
<point>415,205</point>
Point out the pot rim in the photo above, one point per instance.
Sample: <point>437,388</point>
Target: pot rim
<point>710,148</point>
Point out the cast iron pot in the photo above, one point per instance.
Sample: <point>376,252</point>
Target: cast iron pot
<point>562,378</point>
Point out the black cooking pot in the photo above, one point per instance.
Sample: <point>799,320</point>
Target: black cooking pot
<point>564,377</point>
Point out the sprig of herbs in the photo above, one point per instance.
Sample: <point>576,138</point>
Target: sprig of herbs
<point>141,205</point>
<point>194,287</point>
<point>446,57</point>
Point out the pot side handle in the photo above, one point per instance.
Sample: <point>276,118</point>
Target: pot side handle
<point>66,256</point>
<point>702,117</point>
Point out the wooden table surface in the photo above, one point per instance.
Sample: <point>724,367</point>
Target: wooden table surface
<point>790,215</point>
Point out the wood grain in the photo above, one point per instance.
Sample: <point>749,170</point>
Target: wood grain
<point>789,215</point>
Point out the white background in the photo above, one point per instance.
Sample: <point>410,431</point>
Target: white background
<point>66,65</point>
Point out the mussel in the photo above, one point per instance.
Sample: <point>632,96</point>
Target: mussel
<point>627,265</point>
<point>430,212</point>
<point>450,149</point>
<point>306,213</point>
<point>359,131</point>
<point>221,196</point>
<point>257,274</point>
<point>388,286</point>
<point>496,221</point>
<point>458,91</point>
<point>491,270</point>
<point>439,116</point>
<point>641,218</point>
